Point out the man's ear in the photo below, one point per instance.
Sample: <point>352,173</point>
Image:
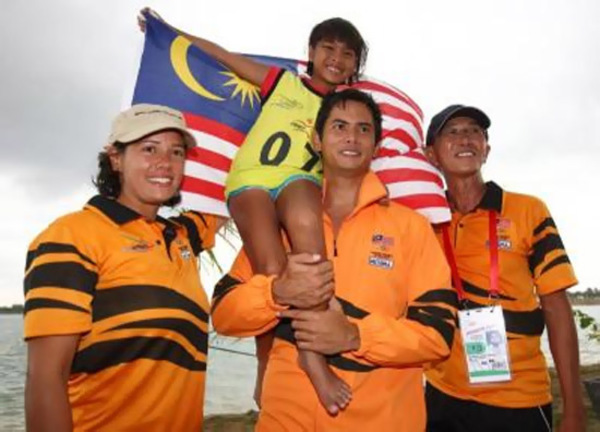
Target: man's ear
<point>431,156</point>
<point>376,148</point>
<point>316,141</point>
<point>487,152</point>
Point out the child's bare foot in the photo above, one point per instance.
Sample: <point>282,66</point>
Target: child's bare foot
<point>333,392</point>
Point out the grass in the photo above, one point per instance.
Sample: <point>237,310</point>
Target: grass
<point>231,422</point>
<point>245,422</point>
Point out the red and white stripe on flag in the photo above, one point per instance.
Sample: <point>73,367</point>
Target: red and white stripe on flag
<point>400,163</point>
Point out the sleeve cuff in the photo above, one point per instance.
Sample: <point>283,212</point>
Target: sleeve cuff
<point>557,285</point>
<point>268,282</point>
<point>367,330</point>
<point>50,323</point>
<point>269,81</point>
<point>211,230</point>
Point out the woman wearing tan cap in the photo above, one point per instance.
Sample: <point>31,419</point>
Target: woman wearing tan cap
<point>116,319</point>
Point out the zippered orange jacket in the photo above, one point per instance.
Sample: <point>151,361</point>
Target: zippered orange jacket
<point>393,281</point>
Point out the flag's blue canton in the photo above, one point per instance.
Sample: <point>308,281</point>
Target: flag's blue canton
<point>289,64</point>
<point>158,82</point>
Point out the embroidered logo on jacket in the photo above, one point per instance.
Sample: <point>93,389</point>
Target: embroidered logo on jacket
<point>382,242</point>
<point>382,260</point>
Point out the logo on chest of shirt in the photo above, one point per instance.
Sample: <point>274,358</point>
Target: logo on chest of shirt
<point>381,260</point>
<point>503,225</point>
<point>503,228</point>
<point>287,103</point>
<point>303,126</point>
<point>137,245</point>
<point>504,243</point>
<point>184,250</point>
<point>381,242</point>
<point>379,255</point>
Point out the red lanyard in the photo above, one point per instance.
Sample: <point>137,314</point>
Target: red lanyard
<point>493,246</point>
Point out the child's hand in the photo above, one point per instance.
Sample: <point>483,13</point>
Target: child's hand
<point>141,18</point>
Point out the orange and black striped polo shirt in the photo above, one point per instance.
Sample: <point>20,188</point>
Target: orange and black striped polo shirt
<point>131,289</point>
<point>532,263</point>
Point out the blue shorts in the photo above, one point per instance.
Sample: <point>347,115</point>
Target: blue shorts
<point>275,192</point>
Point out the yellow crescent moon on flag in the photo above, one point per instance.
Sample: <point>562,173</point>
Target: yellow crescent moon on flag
<point>179,49</point>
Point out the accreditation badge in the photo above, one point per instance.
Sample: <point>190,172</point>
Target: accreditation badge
<point>485,344</point>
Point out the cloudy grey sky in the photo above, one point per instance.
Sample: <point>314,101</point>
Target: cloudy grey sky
<point>533,66</point>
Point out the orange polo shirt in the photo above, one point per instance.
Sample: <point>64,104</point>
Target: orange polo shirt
<point>392,281</point>
<point>131,289</point>
<point>532,263</point>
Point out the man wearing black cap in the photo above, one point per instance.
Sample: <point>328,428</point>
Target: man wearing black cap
<point>507,260</point>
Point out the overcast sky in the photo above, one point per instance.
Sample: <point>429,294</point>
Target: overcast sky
<point>533,66</point>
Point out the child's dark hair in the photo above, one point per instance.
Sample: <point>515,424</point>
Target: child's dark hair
<point>334,99</point>
<point>339,29</point>
<point>108,181</point>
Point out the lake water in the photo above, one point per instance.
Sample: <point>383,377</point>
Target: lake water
<point>230,376</point>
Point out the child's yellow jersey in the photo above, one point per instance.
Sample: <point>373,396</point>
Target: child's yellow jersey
<point>278,148</point>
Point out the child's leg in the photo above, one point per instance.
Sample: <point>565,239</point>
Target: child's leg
<point>255,216</point>
<point>300,211</point>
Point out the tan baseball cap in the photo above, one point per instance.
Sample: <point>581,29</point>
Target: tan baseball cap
<point>144,119</point>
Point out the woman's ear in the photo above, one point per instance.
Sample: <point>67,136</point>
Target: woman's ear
<point>114,156</point>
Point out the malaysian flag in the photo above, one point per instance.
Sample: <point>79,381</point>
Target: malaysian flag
<point>220,109</point>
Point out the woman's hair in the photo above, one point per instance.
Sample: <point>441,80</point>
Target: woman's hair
<point>108,181</point>
<point>339,29</point>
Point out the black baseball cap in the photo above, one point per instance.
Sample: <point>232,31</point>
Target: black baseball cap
<point>440,119</point>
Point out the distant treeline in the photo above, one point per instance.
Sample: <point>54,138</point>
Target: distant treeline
<point>14,309</point>
<point>589,296</point>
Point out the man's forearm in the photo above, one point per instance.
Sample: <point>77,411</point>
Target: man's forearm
<point>47,405</point>
<point>562,337</point>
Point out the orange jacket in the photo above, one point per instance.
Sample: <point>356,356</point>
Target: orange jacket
<point>392,280</point>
